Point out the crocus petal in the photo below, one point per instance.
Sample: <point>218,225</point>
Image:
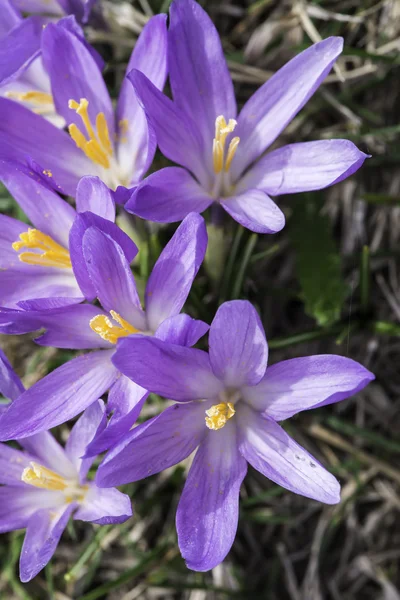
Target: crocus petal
<point>43,207</point>
<point>168,195</point>
<point>23,134</point>
<point>16,322</point>
<point>12,464</point>
<point>46,450</point>
<point>70,328</point>
<point>47,304</point>
<point>125,400</point>
<point>92,195</point>
<point>256,211</point>
<point>270,450</point>
<point>69,23</point>
<point>59,396</point>
<point>181,330</point>
<point>173,371</point>
<point>10,230</point>
<point>274,104</point>
<point>177,134</point>
<point>104,507</point>
<point>303,383</point>
<point>10,384</point>
<point>171,279</point>
<point>87,9</point>
<point>207,514</point>
<point>82,222</point>
<point>17,505</point>
<point>157,444</point>
<point>304,167</point>
<point>112,277</point>
<point>82,434</point>
<point>136,145</point>
<point>9,17</point>
<point>79,8</point>
<point>122,194</point>
<point>43,533</point>
<point>37,282</point>
<point>74,74</point>
<point>37,6</point>
<point>200,80</point>
<point>124,396</point>
<point>19,47</point>
<point>238,348</point>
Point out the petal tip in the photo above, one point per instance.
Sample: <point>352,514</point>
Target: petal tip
<point>334,43</point>
<point>333,495</point>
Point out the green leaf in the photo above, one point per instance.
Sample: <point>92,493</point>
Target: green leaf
<point>318,261</point>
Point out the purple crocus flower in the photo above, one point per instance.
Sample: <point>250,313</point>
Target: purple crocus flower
<point>23,77</point>
<point>36,262</point>
<point>22,74</point>
<point>45,484</point>
<point>222,154</point>
<point>74,386</point>
<point>230,406</point>
<point>117,146</point>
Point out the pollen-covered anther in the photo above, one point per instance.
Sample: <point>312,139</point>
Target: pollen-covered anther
<point>44,478</point>
<point>42,102</point>
<point>107,330</point>
<point>97,146</point>
<point>50,254</point>
<point>218,415</point>
<point>222,130</point>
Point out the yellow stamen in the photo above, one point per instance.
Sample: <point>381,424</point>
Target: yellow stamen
<point>103,133</point>
<point>52,254</point>
<point>42,477</point>
<point>32,96</point>
<point>234,143</point>
<point>222,130</point>
<point>218,415</point>
<point>48,173</point>
<point>218,156</point>
<point>81,109</point>
<point>98,147</point>
<point>77,136</point>
<point>95,153</point>
<point>104,327</point>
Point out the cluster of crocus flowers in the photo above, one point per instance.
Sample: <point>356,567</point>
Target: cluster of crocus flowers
<point>104,268</point>
<point>67,274</point>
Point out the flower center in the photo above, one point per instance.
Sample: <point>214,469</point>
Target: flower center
<point>218,415</point>
<point>41,477</point>
<point>98,146</point>
<point>105,328</point>
<point>50,253</point>
<point>41,102</point>
<point>222,160</point>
